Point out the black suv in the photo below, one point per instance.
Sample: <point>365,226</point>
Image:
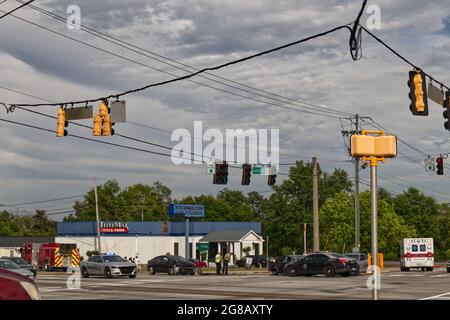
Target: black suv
<point>327,263</point>
<point>259,261</point>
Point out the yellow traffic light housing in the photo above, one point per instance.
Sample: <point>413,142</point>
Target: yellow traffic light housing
<point>97,128</point>
<point>61,123</point>
<point>418,93</point>
<point>107,129</point>
<point>378,147</point>
<point>102,120</point>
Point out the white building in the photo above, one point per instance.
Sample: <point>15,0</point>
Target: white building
<point>146,240</point>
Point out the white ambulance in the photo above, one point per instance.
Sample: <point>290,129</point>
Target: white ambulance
<point>417,253</point>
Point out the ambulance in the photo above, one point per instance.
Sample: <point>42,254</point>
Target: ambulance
<point>417,253</point>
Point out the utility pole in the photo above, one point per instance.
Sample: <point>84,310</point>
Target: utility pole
<point>357,212</point>
<point>99,249</point>
<point>304,238</point>
<point>316,243</point>
<point>267,252</point>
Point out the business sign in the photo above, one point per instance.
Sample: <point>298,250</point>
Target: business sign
<point>202,246</point>
<point>187,210</point>
<point>113,227</point>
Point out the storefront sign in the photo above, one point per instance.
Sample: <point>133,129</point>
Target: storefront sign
<point>113,227</point>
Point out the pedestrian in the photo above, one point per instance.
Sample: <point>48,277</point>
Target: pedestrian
<point>218,260</point>
<point>226,259</point>
<point>125,258</point>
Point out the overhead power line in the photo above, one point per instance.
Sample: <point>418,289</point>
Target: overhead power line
<point>15,9</point>
<point>188,68</point>
<point>41,201</point>
<point>118,95</point>
<point>402,57</point>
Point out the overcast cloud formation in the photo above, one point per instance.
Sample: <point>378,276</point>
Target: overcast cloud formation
<point>36,165</point>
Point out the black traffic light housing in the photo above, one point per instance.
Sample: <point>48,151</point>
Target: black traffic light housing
<point>271,179</point>
<point>446,112</point>
<point>246,174</point>
<point>440,166</point>
<point>412,93</point>
<point>221,175</point>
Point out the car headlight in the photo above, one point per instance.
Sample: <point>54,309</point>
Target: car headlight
<point>31,290</point>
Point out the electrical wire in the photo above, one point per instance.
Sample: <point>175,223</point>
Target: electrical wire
<point>402,57</point>
<point>152,85</point>
<point>41,201</point>
<point>15,9</point>
<point>176,64</point>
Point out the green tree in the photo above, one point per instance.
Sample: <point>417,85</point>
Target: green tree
<point>337,225</point>
<point>291,204</point>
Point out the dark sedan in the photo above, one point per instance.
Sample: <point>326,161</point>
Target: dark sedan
<point>171,265</point>
<point>329,264</point>
<point>22,264</point>
<point>277,266</point>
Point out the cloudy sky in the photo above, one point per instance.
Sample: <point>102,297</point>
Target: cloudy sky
<point>35,165</point>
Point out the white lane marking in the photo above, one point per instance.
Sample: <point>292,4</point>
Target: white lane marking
<point>437,296</point>
<point>439,276</point>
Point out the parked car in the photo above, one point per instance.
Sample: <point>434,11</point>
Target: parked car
<point>328,263</point>
<point>13,267</point>
<point>448,266</point>
<point>259,261</point>
<point>361,258</point>
<point>107,265</point>
<point>15,286</point>
<point>22,263</point>
<point>277,266</point>
<point>171,265</point>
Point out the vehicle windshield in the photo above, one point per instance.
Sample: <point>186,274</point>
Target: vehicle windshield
<point>6,264</point>
<point>113,259</point>
<point>18,261</point>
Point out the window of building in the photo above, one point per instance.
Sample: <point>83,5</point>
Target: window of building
<point>175,248</point>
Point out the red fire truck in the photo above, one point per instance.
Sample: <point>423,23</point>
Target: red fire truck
<point>51,256</point>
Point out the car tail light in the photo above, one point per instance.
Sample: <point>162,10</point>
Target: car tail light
<point>342,260</point>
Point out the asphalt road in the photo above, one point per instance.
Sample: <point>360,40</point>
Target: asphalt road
<point>246,285</point>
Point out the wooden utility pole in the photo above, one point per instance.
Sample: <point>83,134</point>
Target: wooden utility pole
<point>357,212</point>
<point>316,240</point>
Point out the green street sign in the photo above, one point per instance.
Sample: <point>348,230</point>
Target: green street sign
<point>203,246</point>
<point>257,170</point>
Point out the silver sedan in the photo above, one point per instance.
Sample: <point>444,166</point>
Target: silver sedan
<point>107,265</point>
<point>11,266</point>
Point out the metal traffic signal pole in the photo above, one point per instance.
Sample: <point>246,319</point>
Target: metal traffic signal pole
<point>186,240</point>
<point>374,226</point>
<point>357,212</point>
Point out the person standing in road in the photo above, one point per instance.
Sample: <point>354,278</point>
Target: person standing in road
<point>218,260</point>
<point>226,259</point>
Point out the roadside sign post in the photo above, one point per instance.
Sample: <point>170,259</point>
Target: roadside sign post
<point>189,211</point>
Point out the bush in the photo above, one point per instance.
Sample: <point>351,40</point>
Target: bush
<point>92,253</point>
<point>447,254</point>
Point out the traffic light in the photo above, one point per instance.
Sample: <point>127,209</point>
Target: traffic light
<point>221,175</point>
<point>102,120</point>
<point>61,123</point>
<point>446,113</point>
<point>271,180</point>
<point>418,93</point>
<point>440,166</point>
<point>246,174</point>
<point>97,128</point>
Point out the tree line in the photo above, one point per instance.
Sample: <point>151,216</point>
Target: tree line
<point>282,214</point>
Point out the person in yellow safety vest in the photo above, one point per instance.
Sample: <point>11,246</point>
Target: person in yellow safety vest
<point>218,260</point>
